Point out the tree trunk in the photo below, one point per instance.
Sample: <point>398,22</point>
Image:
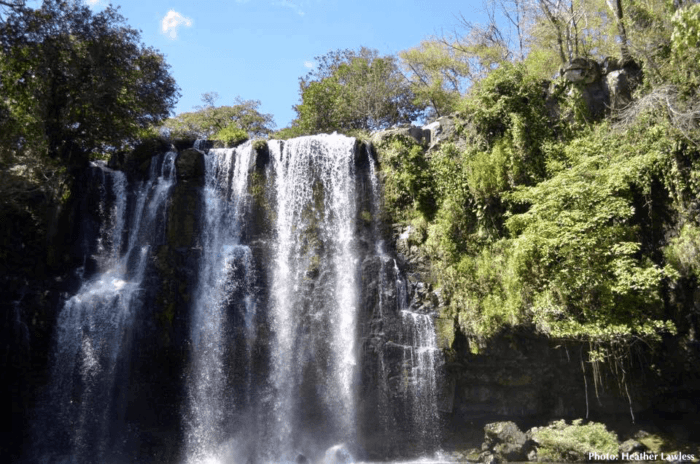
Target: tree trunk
<point>616,8</point>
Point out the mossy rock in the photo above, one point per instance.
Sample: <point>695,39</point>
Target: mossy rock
<point>560,441</point>
<point>261,154</point>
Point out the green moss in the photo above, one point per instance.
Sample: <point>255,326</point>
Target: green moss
<point>259,193</point>
<point>655,443</point>
<point>562,442</point>
<point>259,144</point>
<point>366,216</point>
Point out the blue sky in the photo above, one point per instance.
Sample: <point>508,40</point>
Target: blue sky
<point>259,48</point>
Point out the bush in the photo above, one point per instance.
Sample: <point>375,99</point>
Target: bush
<point>231,136</point>
<point>562,442</point>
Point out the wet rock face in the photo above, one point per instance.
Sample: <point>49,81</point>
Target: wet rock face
<point>190,166</point>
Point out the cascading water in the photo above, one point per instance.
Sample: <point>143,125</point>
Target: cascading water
<point>313,294</point>
<point>275,274</point>
<point>414,379</point>
<point>421,356</point>
<point>93,326</point>
<point>226,274</point>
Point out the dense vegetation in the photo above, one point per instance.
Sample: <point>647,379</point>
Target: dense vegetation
<point>540,214</point>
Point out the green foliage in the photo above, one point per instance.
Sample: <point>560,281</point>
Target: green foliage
<point>76,82</point>
<point>289,133</point>
<point>437,73</point>
<point>509,101</point>
<point>683,251</point>
<point>408,182</point>
<point>685,42</point>
<point>542,63</point>
<point>231,135</point>
<point>354,90</point>
<point>259,144</point>
<point>562,442</point>
<point>576,248</point>
<point>527,229</point>
<point>210,119</point>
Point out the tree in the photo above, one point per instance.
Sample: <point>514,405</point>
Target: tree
<point>210,119</point>
<point>437,73</point>
<point>9,6</point>
<point>354,90</point>
<point>81,82</point>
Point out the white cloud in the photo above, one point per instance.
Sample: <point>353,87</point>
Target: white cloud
<point>290,5</point>
<point>172,21</point>
<point>96,3</point>
<point>308,64</point>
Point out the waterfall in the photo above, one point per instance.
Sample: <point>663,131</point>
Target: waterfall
<point>421,356</point>
<point>93,326</point>
<point>287,313</point>
<point>407,383</point>
<point>314,293</point>
<point>225,275</point>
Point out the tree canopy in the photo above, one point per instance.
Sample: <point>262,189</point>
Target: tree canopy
<point>76,82</point>
<point>354,89</point>
<point>210,119</point>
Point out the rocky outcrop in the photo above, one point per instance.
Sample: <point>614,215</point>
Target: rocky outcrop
<point>505,441</point>
<point>138,161</point>
<point>604,87</point>
<point>430,135</point>
<point>441,130</point>
<point>420,134</point>
<point>582,71</point>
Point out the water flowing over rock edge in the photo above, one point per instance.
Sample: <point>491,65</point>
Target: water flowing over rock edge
<point>505,374</point>
<point>334,238</point>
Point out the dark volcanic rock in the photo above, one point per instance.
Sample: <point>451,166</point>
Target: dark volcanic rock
<point>190,166</point>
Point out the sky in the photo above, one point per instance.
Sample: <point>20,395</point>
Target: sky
<point>258,49</point>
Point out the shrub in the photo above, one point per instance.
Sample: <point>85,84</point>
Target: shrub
<point>562,442</point>
<point>231,136</point>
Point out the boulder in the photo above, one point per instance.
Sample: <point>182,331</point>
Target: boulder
<point>441,129</point>
<point>632,446</point>
<point>506,440</point>
<point>490,458</point>
<point>421,135</point>
<point>582,71</point>
<point>619,88</point>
